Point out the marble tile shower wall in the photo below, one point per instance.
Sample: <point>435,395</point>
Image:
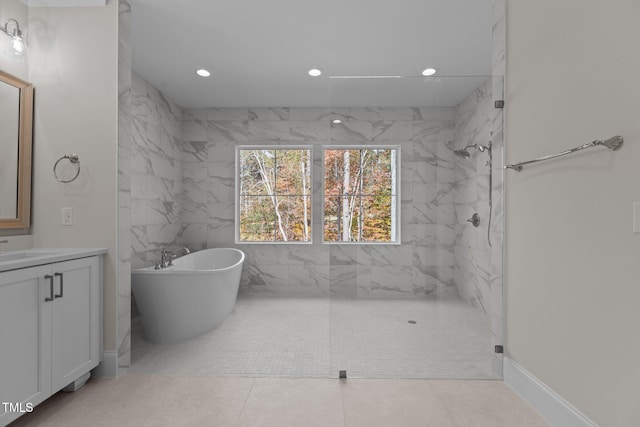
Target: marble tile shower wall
<point>422,266</point>
<point>156,172</point>
<point>472,253</point>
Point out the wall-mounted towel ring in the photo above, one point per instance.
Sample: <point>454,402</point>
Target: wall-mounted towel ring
<point>73,160</point>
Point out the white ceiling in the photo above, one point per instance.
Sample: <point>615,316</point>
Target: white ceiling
<point>260,50</point>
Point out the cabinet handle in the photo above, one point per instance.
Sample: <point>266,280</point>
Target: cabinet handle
<point>61,285</point>
<point>50,297</point>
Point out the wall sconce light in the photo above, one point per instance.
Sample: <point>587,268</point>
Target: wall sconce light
<point>18,45</point>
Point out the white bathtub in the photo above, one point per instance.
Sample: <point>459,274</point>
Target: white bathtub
<point>189,298</point>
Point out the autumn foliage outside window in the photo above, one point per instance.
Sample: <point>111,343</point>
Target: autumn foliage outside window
<point>274,194</point>
<point>360,194</point>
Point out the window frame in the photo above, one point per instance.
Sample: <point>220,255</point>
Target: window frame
<point>398,181</point>
<point>272,147</point>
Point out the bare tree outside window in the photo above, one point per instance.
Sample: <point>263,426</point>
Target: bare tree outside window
<point>360,194</point>
<point>274,194</point>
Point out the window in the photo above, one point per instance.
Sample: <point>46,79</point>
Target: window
<point>274,194</point>
<point>361,194</point>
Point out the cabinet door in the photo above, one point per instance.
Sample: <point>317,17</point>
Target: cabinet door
<point>75,321</point>
<point>25,340</point>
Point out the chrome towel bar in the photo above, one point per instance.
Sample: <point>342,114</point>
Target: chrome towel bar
<point>614,143</point>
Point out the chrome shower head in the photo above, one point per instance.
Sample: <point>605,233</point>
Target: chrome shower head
<point>462,153</point>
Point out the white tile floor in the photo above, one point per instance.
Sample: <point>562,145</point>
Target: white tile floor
<point>300,337</point>
<point>194,401</point>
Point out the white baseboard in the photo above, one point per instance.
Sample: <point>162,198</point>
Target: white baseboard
<point>553,408</point>
<point>109,365</point>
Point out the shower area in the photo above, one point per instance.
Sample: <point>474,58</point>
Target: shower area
<point>427,305</point>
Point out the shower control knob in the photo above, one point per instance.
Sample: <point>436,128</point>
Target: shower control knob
<point>474,220</point>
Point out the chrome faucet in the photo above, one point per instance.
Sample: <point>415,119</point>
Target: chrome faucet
<point>164,256</point>
<point>167,257</point>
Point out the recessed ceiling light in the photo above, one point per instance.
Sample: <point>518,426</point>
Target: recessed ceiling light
<point>203,73</point>
<point>428,72</point>
<point>314,72</point>
<point>336,121</point>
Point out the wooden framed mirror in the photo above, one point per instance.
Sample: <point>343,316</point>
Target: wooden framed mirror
<point>16,144</point>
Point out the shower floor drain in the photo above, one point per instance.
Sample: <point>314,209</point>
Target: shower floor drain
<point>413,322</point>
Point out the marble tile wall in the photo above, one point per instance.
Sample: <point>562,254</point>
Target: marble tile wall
<point>156,173</point>
<point>471,245</point>
<point>420,267</point>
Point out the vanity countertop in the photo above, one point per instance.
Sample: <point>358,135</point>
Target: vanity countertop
<point>13,260</point>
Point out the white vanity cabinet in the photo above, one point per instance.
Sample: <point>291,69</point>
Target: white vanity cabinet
<point>50,330</point>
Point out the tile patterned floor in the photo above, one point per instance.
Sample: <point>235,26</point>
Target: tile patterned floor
<point>306,337</point>
<point>151,400</point>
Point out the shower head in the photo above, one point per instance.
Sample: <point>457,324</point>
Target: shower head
<point>462,153</point>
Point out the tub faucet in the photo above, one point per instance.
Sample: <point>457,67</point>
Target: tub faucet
<point>167,257</point>
<point>164,258</point>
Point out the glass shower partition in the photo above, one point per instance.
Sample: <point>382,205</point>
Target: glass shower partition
<point>398,281</point>
<point>415,283</point>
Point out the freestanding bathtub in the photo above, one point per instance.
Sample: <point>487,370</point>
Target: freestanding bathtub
<point>189,298</point>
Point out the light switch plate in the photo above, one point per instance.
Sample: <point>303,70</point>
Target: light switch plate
<point>636,217</point>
